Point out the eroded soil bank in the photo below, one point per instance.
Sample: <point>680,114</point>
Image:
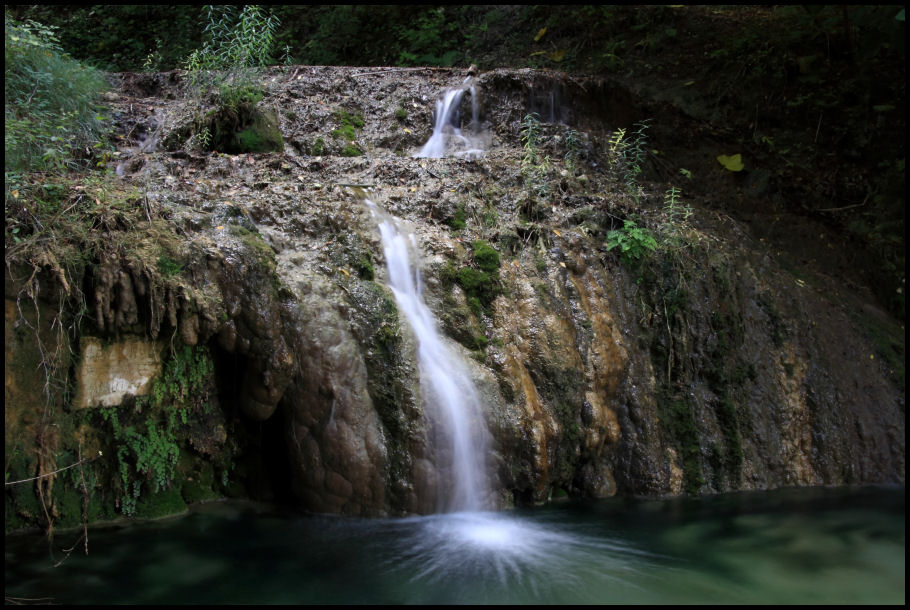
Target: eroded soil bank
<point>223,328</point>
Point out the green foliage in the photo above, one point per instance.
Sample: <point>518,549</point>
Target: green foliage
<point>168,266</point>
<point>677,416</point>
<point>457,221</point>
<point>235,46</point>
<point>122,37</point>
<point>676,220</point>
<point>626,154</point>
<point>534,167</point>
<point>147,448</point>
<point>364,267</point>
<point>347,131</point>
<point>428,41</point>
<point>52,110</point>
<point>634,242</point>
<point>472,280</point>
<point>573,150</point>
<point>185,378</point>
<point>318,147</point>
<point>485,257</point>
<point>481,285</point>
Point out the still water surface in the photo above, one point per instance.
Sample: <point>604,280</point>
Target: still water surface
<point>821,546</point>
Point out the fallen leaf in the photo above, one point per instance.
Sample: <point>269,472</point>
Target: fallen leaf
<point>558,55</point>
<point>406,130</point>
<point>540,34</point>
<point>733,163</point>
<point>557,233</point>
<point>345,271</point>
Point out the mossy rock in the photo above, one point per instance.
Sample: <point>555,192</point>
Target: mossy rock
<point>485,256</point>
<point>244,129</point>
<point>261,136</point>
<point>163,503</point>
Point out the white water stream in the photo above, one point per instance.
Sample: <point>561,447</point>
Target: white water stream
<point>448,138</point>
<point>449,393</point>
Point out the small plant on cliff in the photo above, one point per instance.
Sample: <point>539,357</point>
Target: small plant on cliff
<point>148,448</point>
<point>573,154</point>
<point>481,284</point>
<point>626,154</point>
<point>676,220</point>
<point>534,166</point>
<point>634,242</point>
<point>347,131</point>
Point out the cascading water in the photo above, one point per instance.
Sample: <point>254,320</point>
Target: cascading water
<point>492,545</point>
<point>447,138</point>
<point>449,392</point>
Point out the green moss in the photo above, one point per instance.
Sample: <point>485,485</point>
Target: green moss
<point>69,508</point>
<point>351,151</point>
<point>347,131</point>
<point>364,267</point>
<point>161,504</point>
<point>318,147</point>
<point>168,266</point>
<point>457,222</point>
<point>485,256</point>
<point>472,281</point>
<point>256,140</point>
<point>401,114</point>
<point>678,419</point>
<point>243,129</point>
<point>253,240</point>
<point>198,486</point>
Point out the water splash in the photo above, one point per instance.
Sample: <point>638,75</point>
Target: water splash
<point>449,392</point>
<point>447,138</point>
<point>503,552</point>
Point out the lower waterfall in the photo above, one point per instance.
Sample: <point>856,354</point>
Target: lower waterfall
<point>449,394</point>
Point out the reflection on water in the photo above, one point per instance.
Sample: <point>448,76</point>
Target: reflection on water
<point>792,546</point>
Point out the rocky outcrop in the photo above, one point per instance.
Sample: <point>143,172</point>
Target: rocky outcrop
<point>705,367</point>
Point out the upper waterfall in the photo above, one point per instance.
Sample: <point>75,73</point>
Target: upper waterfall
<point>449,137</point>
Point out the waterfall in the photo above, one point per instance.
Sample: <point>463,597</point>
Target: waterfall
<point>447,137</point>
<point>449,393</point>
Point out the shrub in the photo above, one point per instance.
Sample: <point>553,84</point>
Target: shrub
<point>52,101</point>
<point>235,45</point>
<point>633,241</point>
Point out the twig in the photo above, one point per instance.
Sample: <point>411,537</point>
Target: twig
<point>670,338</point>
<point>21,601</point>
<point>41,476</point>
<point>393,70</point>
<point>846,207</point>
<point>820,115</point>
<point>85,500</point>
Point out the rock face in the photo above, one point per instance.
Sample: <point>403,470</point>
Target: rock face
<point>704,367</point>
<point>107,374</point>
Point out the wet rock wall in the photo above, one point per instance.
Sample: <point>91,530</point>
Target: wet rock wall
<point>704,369</point>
